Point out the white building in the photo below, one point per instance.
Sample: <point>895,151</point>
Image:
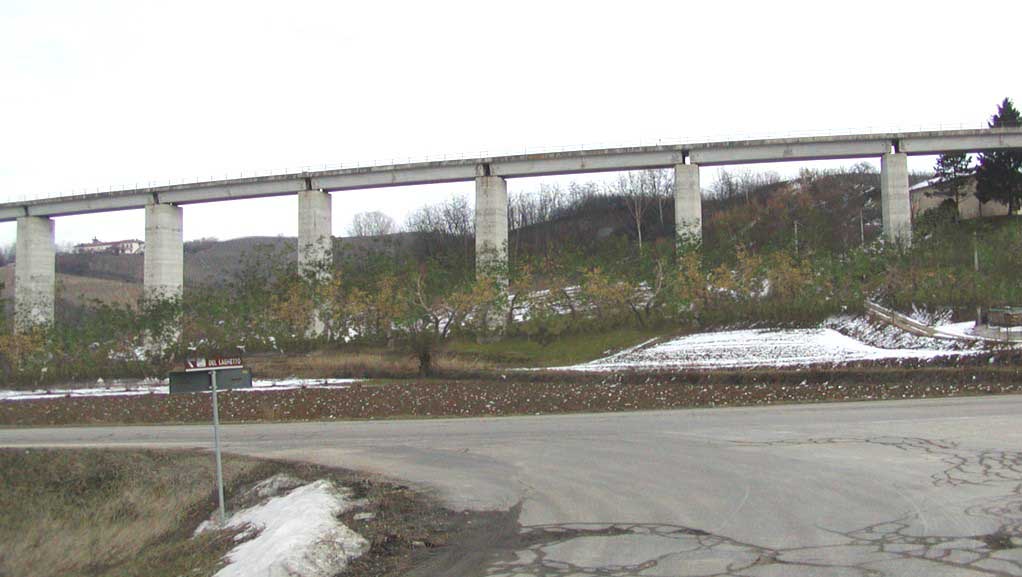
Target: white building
<point>131,246</point>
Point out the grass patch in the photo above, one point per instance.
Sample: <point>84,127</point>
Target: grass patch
<point>112,513</point>
<point>565,350</point>
<point>459,358</point>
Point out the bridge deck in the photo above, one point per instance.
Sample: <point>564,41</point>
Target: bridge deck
<point>568,162</point>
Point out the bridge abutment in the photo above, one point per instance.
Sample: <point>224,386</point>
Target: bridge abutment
<point>894,199</point>
<point>688,206</point>
<point>34,273</point>
<point>491,226</point>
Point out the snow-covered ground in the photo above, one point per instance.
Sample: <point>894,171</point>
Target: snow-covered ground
<point>160,387</point>
<point>758,348</point>
<point>295,534</point>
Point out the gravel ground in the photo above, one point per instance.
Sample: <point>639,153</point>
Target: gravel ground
<point>533,393</point>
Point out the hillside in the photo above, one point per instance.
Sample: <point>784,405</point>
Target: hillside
<point>79,291</point>
<point>756,213</point>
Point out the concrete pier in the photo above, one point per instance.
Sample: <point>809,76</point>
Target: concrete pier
<point>164,259</point>
<point>894,199</point>
<point>315,247</point>
<point>34,272</point>
<point>491,225</point>
<point>315,240</point>
<point>688,205</point>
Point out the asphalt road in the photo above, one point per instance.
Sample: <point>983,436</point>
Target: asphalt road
<point>923,487</point>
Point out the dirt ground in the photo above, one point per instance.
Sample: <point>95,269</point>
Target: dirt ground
<point>409,530</point>
<point>521,393</point>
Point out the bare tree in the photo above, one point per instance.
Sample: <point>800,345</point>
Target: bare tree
<point>726,187</point>
<point>661,187</point>
<point>636,189</point>
<point>448,224</point>
<point>372,224</point>
<point>450,218</point>
<point>6,254</point>
<point>544,205</point>
<point>741,183</point>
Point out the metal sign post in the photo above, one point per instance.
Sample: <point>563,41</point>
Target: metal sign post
<point>211,365</point>
<point>216,445</point>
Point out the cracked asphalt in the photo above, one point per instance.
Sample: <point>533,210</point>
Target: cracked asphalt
<point>918,487</point>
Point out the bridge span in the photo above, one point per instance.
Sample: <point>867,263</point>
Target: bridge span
<point>164,255</point>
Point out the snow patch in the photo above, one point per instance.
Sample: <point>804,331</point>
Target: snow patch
<point>160,387</point>
<point>755,348</point>
<point>293,535</point>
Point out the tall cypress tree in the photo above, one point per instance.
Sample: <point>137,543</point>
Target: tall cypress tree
<point>999,174</point>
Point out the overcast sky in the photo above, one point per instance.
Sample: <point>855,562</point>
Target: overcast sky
<point>99,94</point>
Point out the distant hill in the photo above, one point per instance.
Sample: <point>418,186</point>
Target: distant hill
<point>205,261</point>
<point>211,262</point>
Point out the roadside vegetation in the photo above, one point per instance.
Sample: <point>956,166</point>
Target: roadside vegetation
<point>592,267</point>
<point>116,513</point>
<point>133,513</point>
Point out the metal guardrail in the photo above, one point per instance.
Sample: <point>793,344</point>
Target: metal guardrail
<point>904,322</point>
<point>983,334</point>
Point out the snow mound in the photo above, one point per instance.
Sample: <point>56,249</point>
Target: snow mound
<point>755,348</point>
<point>293,535</point>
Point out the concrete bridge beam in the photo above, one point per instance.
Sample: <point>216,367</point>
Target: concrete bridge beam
<point>34,273</point>
<point>491,226</point>
<point>688,205</point>
<point>894,199</point>
<point>163,260</point>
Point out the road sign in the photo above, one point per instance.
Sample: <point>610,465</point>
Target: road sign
<point>212,363</point>
<point>196,381</point>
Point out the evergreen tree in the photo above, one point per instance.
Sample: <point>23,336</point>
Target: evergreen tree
<point>999,174</point>
<point>951,172</point>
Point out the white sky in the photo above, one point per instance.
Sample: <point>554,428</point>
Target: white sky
<point>106,93</point>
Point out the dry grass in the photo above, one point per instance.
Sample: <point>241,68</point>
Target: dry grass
<point>360,364</point>
<point>81,290</point>
<point>86,291</point>
<point>91,512</point>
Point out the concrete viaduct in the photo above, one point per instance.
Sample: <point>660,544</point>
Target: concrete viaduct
<point>164,256</point>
